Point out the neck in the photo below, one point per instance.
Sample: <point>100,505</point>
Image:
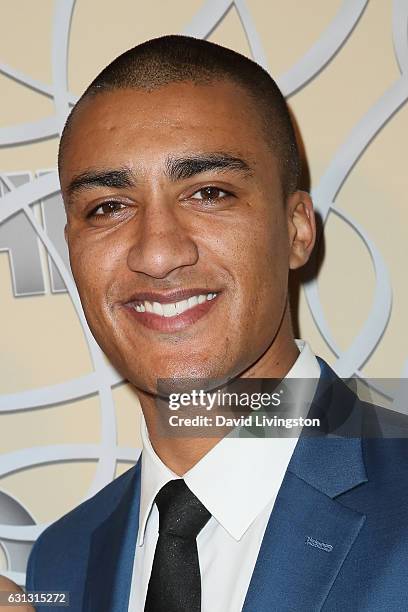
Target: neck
<point>181,453</point>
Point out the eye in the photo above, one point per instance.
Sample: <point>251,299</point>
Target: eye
<point>210,193</point>
<point>106,209</point>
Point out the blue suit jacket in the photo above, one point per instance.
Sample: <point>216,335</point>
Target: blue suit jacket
<point>336,541</point>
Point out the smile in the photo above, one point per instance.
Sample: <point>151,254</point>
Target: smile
<point>166,313</point>
<point>173,309</point>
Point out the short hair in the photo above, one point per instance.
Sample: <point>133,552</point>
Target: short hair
<point>177,58</point>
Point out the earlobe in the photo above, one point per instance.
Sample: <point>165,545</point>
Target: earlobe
<point>302,228</point>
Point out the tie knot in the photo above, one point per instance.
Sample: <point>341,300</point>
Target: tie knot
<point>180,512</point>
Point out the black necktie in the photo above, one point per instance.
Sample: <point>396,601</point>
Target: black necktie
<point>175,581</point>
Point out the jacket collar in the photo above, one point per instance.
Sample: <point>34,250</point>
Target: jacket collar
<point>332,464</point>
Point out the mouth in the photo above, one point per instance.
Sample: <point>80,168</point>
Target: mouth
<point>171,311</point>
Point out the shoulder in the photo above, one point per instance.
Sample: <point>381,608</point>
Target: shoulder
<point>93,511</point>
<point>385,442</point>
<point>383,432</point>
<point>70,535</point>
<point>384,422</point>
<point>349,415</point>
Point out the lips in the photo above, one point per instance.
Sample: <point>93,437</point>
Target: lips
<point>171,311</point>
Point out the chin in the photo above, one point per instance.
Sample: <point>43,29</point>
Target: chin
<point>175,377</point>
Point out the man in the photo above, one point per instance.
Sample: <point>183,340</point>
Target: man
<point>179,171</point>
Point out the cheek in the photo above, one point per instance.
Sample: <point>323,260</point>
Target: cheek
<point>94,264</point>
<point>261,274</point>
<point>261,263</point>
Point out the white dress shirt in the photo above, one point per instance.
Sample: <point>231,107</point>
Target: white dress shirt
<point>237,481</point>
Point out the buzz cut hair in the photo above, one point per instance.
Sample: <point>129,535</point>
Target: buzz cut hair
<point>175,58</point>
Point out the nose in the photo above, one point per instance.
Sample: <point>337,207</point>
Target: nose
<point>161,244</point>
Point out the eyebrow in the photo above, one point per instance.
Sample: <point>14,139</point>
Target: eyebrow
<point>186,167</point>
<point>119,178</point>
<point>176,169</point>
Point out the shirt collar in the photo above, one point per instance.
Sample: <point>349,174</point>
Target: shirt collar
<point>232,467</point>
<point>155,474</point>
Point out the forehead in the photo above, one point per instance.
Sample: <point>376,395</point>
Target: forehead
<point>122,125</point>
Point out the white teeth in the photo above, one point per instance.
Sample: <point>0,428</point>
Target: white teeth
<point>193,301</point>
<point>181,306</point>
<point>157,308</point>
<point>174,308</point>
<point>169,310</point>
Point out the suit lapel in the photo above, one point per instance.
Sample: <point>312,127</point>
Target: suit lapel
<point>112,552</point>
<point>306,541</point>
<point>309,533</point>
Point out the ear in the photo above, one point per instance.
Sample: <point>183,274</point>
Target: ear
<point>301,228</point>
<point>66,233</point>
